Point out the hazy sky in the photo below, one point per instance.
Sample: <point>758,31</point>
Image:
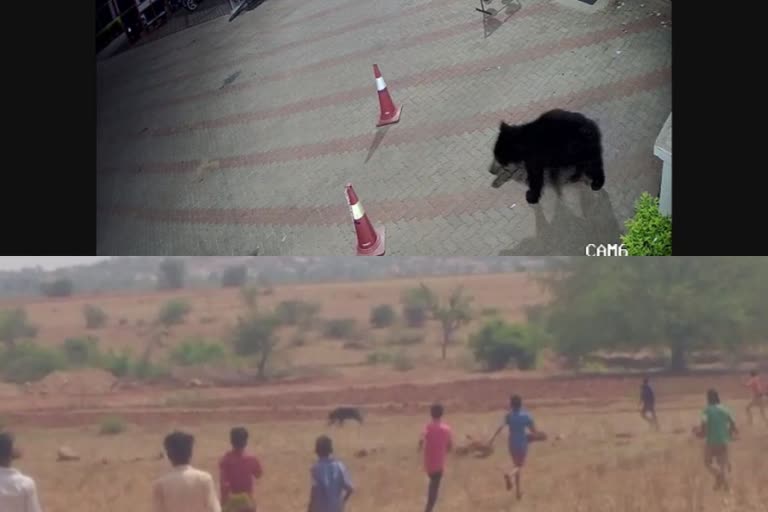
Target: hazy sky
<point>47,262</point>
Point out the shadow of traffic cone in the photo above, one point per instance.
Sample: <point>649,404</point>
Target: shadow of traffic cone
<point>370,242</point>
<point>390,114</point>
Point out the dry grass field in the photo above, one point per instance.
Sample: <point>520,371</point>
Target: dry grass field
<point>214,311</point>
<point>589,469</point>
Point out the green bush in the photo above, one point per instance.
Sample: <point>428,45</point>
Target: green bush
<point>15,326</point>
<point>148,370</point>
<point>81,352</point>
<point>340,328</point>
<point>111,425</point>
<point>415,316</point>
<point>401,362</point>
<point>173,312</point>
<point>255,336</point>
<point>57,288</point>
<point>413,337</point>
<point>196,351</point>
<point>118,364</point>
<point>497,343</point>
<point>95,317</point>
<point>417,303</point>
<point>28,361</point>
<point>649,233</point>
<point>382,316</point>
<point>296,312</point>
<point>378,358</point>
<point>489,312</point>
<point>234,276</point>
<point>171,274</point>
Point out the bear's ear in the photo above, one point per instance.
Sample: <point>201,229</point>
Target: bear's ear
<point>503,126</point>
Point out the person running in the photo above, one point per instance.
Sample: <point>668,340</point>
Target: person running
<point>18,492</point>
<point>758,389</point>
<point>436,440</point>
<point>519,423</point>
<point>717,427</point>
<point>648,400</point>
<point>237,472</point>
<point>184,488</point>
<point>331,485</point>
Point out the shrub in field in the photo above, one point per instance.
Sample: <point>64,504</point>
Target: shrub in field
<point>378,357</point>
<point>234,276</point>
<point>82,351</point>
<point>146,370</point>
<point>382,316</point>
<point>118,364</point>
<point>296,312</point>
<point>196,351</point>
<point>497,343</point>
<point>111,426</point>
<point>14,326</point>
<point>340,328</point>
<point>401,362</point>
<point>171,274</point>
<point>95,317</point>
<point>57,288</point>
<point>28,361</point>
<point>173,312</point>
<point>409,337</point>
<point>649,233</point>
<point>489,312</point>
<point>255,337</point>
<point>416,303</point>
<point>250,296</point>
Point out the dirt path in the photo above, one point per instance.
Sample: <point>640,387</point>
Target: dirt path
<point>308,402</point>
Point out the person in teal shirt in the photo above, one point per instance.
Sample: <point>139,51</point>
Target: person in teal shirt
<point>717,426</point>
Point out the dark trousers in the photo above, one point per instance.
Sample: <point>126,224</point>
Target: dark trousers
<point>434,486</point>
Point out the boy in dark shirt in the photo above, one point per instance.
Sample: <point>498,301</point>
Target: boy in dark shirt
<point>648,399</point>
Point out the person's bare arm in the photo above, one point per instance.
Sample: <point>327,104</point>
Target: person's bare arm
<point>158,505</point>
<point>256,469</point>
<point>212,501</point>
<point>450,442</point>
<point>347,482</point>
<point>493,437</point>
<point>33,503</point>
<point>734,429</point>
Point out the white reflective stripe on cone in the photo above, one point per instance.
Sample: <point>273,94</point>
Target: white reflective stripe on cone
<point>357,211</point>
<point>380,85</point>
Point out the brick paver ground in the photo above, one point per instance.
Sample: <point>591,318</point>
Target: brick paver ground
<point>233,138</point>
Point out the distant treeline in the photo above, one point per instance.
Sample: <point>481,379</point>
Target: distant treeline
<point>144,273</point>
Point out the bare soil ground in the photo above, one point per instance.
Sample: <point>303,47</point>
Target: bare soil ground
<point>600,455</point>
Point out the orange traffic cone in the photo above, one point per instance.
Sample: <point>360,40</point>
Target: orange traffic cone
<point>390,114</point>
<point>370,242</point>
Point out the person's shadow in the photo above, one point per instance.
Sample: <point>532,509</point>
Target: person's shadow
<point>568,234</point>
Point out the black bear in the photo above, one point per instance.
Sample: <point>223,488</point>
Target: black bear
<point>340,414</point>
<point>556,140</point>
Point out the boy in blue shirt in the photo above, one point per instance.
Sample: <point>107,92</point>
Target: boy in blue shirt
<point>331,486</point>
<point>519,423</point>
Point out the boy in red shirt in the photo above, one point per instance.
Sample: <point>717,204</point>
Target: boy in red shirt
<point>436,441</point>
<point>237,471</point>
<point>755,384</point>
